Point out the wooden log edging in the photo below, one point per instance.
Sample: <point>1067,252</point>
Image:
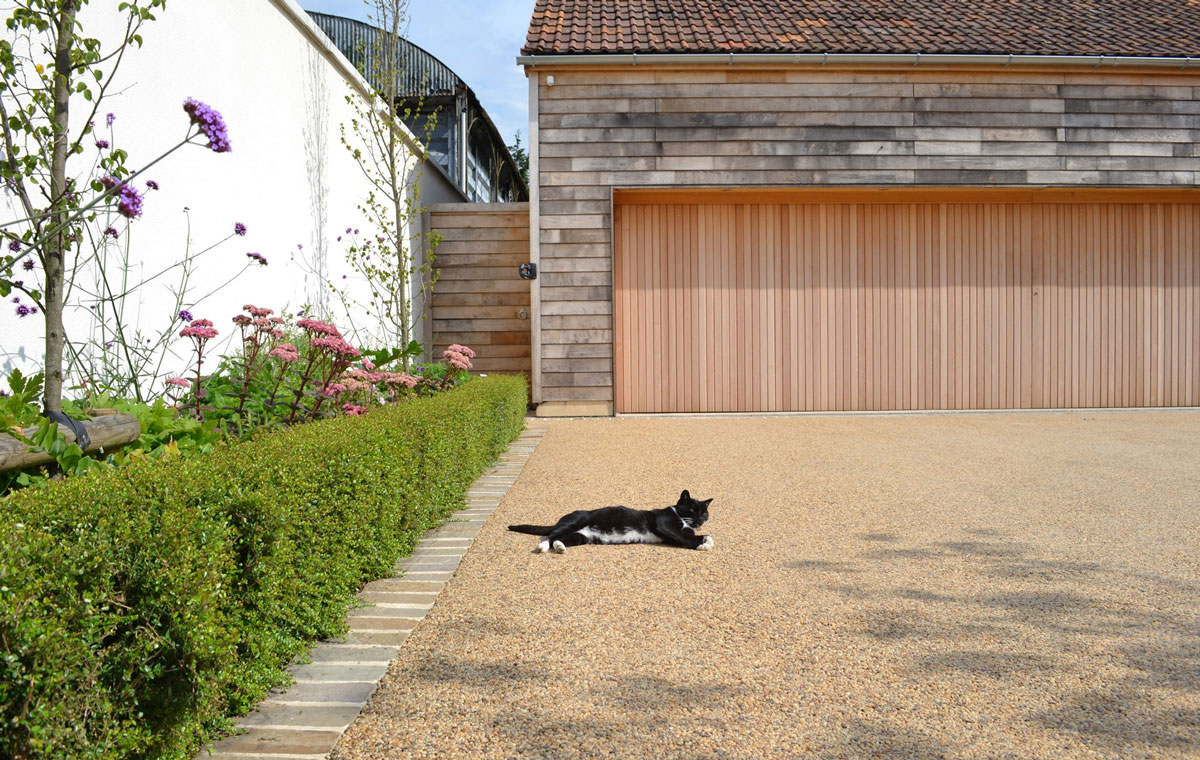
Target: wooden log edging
<point>108,433</point>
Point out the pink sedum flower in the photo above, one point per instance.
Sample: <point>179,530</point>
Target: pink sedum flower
<point>179,381</point>
<point>400,379</point>
<point>200,329</point>
<point>353,410</point>
<point>333,389</point>
<point>458,357</point>
<point>285,352</point>
<point>318,327</point>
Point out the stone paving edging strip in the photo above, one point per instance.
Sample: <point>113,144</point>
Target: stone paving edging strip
<point>305,721</point>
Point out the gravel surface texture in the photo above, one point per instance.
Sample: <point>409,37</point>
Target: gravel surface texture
<point>927,586</point>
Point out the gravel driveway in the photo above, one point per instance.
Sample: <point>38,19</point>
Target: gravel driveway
<point>959,586</point>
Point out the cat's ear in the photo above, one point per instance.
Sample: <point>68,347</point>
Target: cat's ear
<point>706,502</point>
<point>685,496</point>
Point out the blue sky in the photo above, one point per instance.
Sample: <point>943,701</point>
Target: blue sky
<point>478,39</point>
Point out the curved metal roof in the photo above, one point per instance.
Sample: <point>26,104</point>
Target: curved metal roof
<point>420,73</point>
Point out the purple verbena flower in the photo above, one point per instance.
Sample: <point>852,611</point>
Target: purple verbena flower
<point>102,144</point>
<point>112,232</point>
<point>15,246</point>
<point>262,260</point>
<point>210,123</point>
<point>27,265</point>
<point>23,311</point>
<point>16,299</point>
<point>110,118</point>
<point>239,229</point>
<point>129,202</point>
<point>185,315</point>
<point>151,184</point>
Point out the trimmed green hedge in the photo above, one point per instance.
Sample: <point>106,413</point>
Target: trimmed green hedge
<point>139,607</point>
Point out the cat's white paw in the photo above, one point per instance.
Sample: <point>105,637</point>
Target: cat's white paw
<point>706,544</point>
<point>559,547</point>
<point>542,547</point>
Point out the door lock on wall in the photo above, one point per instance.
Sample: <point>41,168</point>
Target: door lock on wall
<point>528,271</point>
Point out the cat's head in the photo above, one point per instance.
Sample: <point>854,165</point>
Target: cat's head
<point>692,508</point>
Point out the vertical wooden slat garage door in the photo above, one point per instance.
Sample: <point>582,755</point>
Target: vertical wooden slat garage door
<point>778,306</point>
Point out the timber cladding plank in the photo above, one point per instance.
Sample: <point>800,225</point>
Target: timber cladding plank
<point>614,127</point>
<point>903,305</point>
<point>479,299</point>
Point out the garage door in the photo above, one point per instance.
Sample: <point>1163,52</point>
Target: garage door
<point>821,300</point>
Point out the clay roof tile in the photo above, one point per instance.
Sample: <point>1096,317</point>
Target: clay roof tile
<point>1157,28</point>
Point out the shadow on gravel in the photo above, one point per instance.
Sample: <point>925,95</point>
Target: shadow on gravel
<point>656,699</point>
<point>862,739</point>
<point>442,669</point>
<point>633,716</point>
<point>1155,648</point>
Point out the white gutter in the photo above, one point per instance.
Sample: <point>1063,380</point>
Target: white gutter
<point>913,59</point>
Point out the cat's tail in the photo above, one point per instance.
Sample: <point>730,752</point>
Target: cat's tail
<point>533,530</point>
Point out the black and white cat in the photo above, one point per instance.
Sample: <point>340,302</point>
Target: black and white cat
<point>675,525</point>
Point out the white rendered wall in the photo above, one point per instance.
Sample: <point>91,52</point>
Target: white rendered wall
<point>288,178</point>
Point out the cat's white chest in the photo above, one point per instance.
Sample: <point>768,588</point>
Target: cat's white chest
<point>628,536</point>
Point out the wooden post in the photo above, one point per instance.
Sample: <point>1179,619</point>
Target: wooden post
<point>108,433</point>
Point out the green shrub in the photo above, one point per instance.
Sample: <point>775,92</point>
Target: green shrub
<point>140,606</point>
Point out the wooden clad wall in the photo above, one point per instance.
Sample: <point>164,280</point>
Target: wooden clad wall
<point>873,306</point>
<point>732,126</point>
<point>479,298</point>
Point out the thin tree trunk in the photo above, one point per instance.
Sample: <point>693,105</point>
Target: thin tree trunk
<point>55,248</point>
<point>397,182</point>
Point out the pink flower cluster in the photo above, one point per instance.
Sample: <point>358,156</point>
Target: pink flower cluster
<point>353,410</point>
<point>458,356</point>
<point>259,319</point>
<point>401,378</point>
<point>361,380</point>
<point>337,346</point>
<point>333,389</point>
<point>200,329</point>
<point>316,326</point>
<point>285,352</point>
<point>181,382</point>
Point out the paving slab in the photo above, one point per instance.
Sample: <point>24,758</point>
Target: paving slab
<point>270,713</point>
<point>275,741</point>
